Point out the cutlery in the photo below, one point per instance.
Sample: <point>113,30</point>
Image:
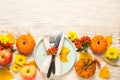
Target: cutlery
<point>52,42</point>
<point>52,64</point>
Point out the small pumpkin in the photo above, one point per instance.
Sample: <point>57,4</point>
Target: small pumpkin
<point>98,44</point>
<point>85,68</point>
<point>25,43</point>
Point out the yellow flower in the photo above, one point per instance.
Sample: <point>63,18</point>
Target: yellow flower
<point>20,59</point>
<point>72,36</point>
<point>4,39</point>
<point>15,68</point>
<point>112,53</point>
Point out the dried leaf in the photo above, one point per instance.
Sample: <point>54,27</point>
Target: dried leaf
<point>32,63</point>
<point>64,54</point>
<point>5,74</point>
<point>11,38</point>
<point>104,73</point>
<point>109,40</point>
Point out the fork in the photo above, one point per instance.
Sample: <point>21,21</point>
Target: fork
<point>52,41</point>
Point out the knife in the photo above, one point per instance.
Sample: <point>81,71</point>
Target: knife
<point>52,64</point>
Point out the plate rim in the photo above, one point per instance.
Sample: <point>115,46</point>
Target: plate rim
<point>73,50</point>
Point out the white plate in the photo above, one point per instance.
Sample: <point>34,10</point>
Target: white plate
<point>40,54</point>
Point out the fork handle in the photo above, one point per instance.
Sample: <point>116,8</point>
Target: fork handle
<point>49,71</point>
<point>52,67</point>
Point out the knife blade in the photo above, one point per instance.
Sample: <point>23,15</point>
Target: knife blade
<point>56,45</point>
<point>52,65</point>
<point>58,38</point>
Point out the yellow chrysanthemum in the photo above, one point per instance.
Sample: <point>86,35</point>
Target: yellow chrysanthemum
<point>15,67</point>
<point>4,39</point>
<point>20,59</point>
<point>72,36</point>
<point>112,53</point>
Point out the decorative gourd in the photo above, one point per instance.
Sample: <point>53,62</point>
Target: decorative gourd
<point>85,68</point>
<point>25,43</point>
<point>98,44</point>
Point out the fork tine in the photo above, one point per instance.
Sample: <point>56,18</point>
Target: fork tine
<point>52,39</point>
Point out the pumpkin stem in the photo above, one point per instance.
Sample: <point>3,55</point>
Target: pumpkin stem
<point>24,42</point>
<point>97,61</point>
<point>98,42</point>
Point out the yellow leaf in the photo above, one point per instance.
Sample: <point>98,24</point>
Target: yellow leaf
<point>64,59</point>
<point>11,38</point>
<point>64,54</point>
<point>104,73</point>
<point>5,74</point>
<point>85,55</point>
<point>32,63</point>
<point>109,40</point>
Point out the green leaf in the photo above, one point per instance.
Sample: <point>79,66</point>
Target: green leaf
<point>84,47</point>
<point>13,50</point>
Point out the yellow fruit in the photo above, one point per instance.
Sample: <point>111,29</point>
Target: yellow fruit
<point>11,38</point>
<point>28,72</point>
<point>104,73</point>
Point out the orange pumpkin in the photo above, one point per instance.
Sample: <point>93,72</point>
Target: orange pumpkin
<point>85,68</point>
<point>25,43</point>
<point>98,44</point>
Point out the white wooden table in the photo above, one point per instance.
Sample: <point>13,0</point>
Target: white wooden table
<point>86,17</point>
